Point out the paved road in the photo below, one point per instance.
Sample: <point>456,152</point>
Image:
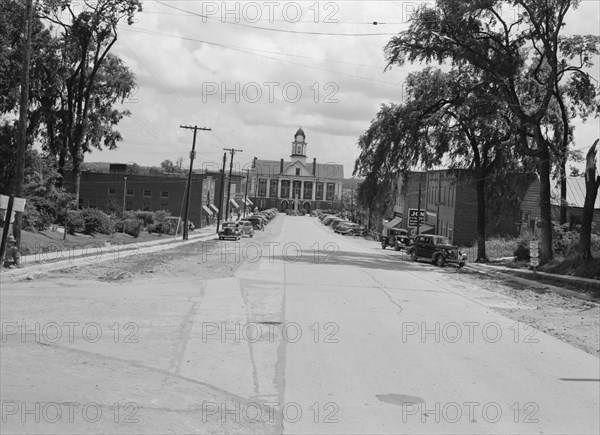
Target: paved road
<point>316,333</point>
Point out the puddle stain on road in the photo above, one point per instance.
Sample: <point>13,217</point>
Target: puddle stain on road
<point>399,399</point>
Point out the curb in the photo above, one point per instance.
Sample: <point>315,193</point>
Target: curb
<point>40,268</point>
<point>537,284</point>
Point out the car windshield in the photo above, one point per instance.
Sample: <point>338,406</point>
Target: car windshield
<point>442,241</point>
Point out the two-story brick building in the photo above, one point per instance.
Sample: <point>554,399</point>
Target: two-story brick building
<point>448,201</point>
<point>295,183</point>
<point>119,190</point>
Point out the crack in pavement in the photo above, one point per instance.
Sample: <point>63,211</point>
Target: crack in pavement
<point>184,336</point>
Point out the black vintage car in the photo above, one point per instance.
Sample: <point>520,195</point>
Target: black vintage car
<point>230,230</point>
<point>437,249</point>
<point>397,238</point>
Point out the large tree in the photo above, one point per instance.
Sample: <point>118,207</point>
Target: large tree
<point>592,184</point>
<point>521,60</point>
<point>94,79</point>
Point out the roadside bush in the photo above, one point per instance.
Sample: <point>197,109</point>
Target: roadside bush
<point>521,253</point>
<point>160,223</point>
<point>96,221</point>
<point>36,219</point>
<point>147,217</point>
<point>133,227</point>
<point>74,222</point>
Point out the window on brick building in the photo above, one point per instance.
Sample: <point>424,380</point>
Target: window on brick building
<point>308,189</point>
<point>330,194</point>
<point>147,193</point>
<point>92,203</point>
<point>129,192</point>
<point>319,192</point>
<point>112,190</point>
<point>297,186</point>
<point>273,188</point>
<point>164,206</point>
<point>80,202</point>
<point>146,206</point>
<point>285,188</point>
<point>297,171</point>
<point>164,194</point>
<point>262,187</point>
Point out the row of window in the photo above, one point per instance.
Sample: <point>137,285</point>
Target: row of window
<point>147,206</point>
<point>295,188</point>
<point>130,192</point>
<point>444,195</point>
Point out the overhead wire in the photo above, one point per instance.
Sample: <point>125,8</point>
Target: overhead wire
<point>273,29</point>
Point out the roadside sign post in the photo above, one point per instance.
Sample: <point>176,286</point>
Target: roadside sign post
<point>534,260</point>
<point>12,205</point>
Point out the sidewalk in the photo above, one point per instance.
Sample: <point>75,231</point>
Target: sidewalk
<point>43,262</point>
<point>508,272</point>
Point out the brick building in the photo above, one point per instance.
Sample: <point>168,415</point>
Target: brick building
<point>449,205</point>
<point>117,189</point>
<point>283,184</point>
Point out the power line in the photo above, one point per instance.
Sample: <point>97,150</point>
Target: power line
<point>275,30</point>
<point>266,57</point>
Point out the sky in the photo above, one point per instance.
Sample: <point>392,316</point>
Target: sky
<point>254,72</point>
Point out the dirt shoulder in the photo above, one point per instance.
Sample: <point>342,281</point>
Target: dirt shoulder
<point>569,319</point>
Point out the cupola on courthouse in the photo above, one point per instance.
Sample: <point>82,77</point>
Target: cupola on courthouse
<point>295,183</point>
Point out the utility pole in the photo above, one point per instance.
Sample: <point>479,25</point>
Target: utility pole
<point>419,207</point>
<point>188,187</point>
<point>221,192</point>
<point>246,195</point>
<point>22,128</point>
<point>232,151</point>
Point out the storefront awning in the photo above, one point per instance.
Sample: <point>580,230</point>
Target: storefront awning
<point>214,208</point>
<point>207,210</point>
<point>233,203</point>
<point>393,222</point>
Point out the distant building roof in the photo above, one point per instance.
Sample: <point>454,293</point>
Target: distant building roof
<point>575,193</point>
<point>272,168</point>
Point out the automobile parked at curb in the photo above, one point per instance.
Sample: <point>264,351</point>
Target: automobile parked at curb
<point>247,227</point>
<point>350,229</point>
<point>397,238</point>
<point>230,230</point>
<point>438,249</point>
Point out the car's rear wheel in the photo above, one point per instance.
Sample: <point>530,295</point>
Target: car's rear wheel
<point>440,260</point>
<point>351,232</point>
<point>413,256</point>
<point>397,247</point>
<point>383,245</point>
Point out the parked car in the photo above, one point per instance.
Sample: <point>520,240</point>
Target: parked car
<point>335,224</point>
<point>436,248</point>
<point>257,222</point>
<point>397,238</point>
<point>247,227</point>
<point>351,229</point>
<point>230,230</point>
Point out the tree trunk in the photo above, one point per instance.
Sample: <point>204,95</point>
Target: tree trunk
<point>563,195</point>
<point>480,188</point>
<point>592,183</point>
<point>545,206</point>
<point>76,172</point>
<point>585,238</point>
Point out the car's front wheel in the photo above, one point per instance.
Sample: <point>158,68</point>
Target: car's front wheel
<point>440,260</point>
<point>351,233</point>
<point>413,255</point>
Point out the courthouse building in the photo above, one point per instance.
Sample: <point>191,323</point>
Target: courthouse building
<point>295,183</point>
